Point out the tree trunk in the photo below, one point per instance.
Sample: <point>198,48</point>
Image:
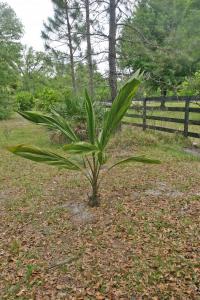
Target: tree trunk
<point>70,49</point>
<point>112,49</point>
<point>89,48</point>
<point>164,95</point>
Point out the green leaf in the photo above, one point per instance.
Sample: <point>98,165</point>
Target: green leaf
<point>44,156</point>
<point>81,148</point>
<point>118,109</point>
<point>90,118</point>
<point>55,122</point>
<point>141,159</point>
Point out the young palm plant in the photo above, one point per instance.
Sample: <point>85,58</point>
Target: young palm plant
<point>86,157</point>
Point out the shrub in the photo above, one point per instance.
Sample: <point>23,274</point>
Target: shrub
<point>191,86</point>
<point>71,107</point>
<point>47,99</point>
<point>25,100</point>
<point>86,157</point>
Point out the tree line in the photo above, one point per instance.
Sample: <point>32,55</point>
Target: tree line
<point>98,44</point>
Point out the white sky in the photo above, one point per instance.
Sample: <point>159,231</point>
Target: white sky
<point>32,13</point>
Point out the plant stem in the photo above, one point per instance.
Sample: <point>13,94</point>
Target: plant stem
<point>94,198</point>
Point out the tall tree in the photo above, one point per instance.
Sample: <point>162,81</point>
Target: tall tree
<point>117,11</point>
<point>112,48</point>
<point>163,40</point>
<point>58,32</point>
<point>89,46</point>
<point>11,31</point>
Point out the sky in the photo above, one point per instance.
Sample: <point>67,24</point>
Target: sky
<point>32,14</point>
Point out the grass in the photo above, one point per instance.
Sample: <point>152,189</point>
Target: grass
<point>141,242</point>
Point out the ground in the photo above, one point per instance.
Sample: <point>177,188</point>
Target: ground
<point>142,243</point>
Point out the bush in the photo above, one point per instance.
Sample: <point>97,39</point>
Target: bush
<point>47,99</point>
<point>25,100</point>
<point>73,108</point>
<point>191,86</point>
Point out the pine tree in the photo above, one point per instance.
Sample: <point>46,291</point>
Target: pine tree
<point>60,32</point>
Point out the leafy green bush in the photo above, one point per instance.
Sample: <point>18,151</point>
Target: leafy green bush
<point>102,92</point>
<point>47,99</point>
<point>25,100</point>
<point>191,86</point>
<point>73,108</point>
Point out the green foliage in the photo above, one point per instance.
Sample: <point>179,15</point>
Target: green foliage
<point>163,40</point>
<point>71,107</point>
<point>36,70</point>
<point>10,32</point>
<point>55,121</point>
<point>47,98</point>
<point>6,104</point>
<point>88,157</point>
<point>25,100</point>
<point>118,109</point>
<point>191,86</point>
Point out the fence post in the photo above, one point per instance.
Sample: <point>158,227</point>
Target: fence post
<point>144,114</point>
<point>186,118</point>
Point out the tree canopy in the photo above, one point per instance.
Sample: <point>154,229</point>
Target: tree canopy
<point>163,40</point>
<point>11,31</point>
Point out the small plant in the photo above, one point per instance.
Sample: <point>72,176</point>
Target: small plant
<point>86,157</point>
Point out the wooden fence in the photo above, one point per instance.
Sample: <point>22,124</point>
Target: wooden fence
<point>142,112</point>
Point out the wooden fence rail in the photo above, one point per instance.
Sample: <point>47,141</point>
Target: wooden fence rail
<point>141,109</point>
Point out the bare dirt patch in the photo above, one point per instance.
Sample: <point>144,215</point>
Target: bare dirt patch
<point>80,213</point>
<point>193,151</point>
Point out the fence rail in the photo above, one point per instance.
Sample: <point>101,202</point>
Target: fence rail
<point>141,109</point>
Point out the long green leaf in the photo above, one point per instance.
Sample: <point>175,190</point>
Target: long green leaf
<point>54,122</point>
<point>140,159</point>
<point>43,156</point>
<point>81,148</point>
<point>91,125</point>
<point>118,109</point>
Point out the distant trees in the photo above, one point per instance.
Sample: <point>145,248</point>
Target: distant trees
<point>191,85</point>
<point>163,40</point>
<point>73,27</point>
<point>60,32</point>
<point>160,39</point>
<point>11,31</point>
<point>35,68</point>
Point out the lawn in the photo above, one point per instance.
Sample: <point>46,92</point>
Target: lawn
<point>142,243</point>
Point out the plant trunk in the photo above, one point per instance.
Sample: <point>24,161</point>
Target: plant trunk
<point>89,48</point>
<point>70,50</point>
<point>94,199</point>
<point>164,94</point>
<point>112,49</point>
